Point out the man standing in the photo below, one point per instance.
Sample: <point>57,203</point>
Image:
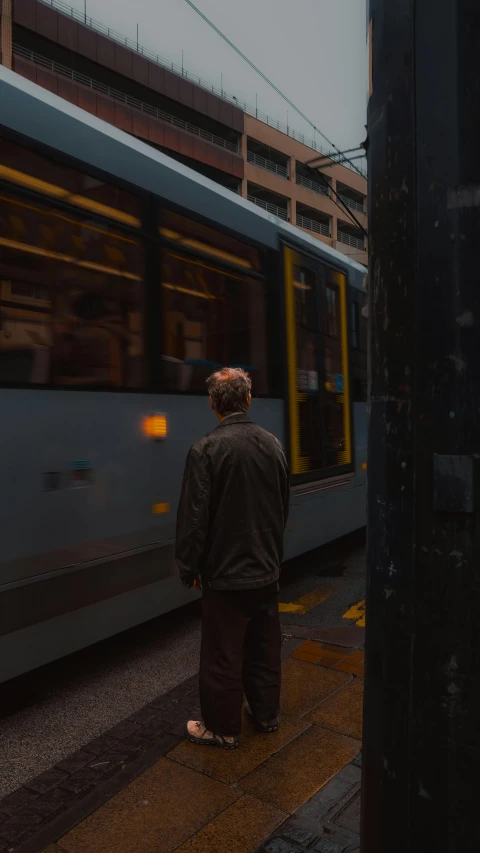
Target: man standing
<point>230,526</point>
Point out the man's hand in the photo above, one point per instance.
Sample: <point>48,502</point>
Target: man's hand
<point>190,581</point>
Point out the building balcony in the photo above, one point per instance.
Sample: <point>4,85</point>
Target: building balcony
<point>358,242</point>
<point>272,202</point>
<point>268,165</point>
<point>351,203</point>
<point>315,186</point>
<point>313,220</point>
<point>281,212</point>
<point>267,158</point>
<point>116,95</point>
<point>351,198</point>
<point>322,228</point>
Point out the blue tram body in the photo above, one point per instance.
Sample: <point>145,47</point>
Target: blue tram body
<point>125,278</point>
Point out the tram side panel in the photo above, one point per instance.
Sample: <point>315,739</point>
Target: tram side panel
<point>84,562</point>
<point>86,557</point>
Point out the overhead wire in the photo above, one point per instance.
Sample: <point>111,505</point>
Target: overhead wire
<point>340,203</point>
<point>267,80</point>
<point>337,153</point>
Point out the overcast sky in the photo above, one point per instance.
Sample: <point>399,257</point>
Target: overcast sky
<point>313,50</point>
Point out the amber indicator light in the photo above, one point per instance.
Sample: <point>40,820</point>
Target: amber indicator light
<point>156,426</point>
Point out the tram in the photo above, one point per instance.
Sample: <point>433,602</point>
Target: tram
<point>125,279</point>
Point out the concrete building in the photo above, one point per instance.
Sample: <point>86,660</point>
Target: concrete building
<point>114,79</point>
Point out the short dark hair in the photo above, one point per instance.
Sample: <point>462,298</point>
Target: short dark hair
<point>229,389</point>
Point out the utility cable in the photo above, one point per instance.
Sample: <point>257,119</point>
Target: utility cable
<point>267,80</point>
<point>330,159</point>
<point>340,203</point>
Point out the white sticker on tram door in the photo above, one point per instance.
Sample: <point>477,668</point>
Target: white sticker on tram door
<point>307,380</point>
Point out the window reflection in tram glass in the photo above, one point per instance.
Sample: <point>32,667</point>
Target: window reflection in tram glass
<point>201,238</point>
<point>71,291</point>
<point>331,319</point>
<point>31,170</point>
<point>211,319</point>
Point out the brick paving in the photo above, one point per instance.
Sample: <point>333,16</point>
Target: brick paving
<point>49,806</point>
<point>60,797</point>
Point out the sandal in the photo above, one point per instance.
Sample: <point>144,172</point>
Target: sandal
<point>215,740</point>
<point>266,728</point>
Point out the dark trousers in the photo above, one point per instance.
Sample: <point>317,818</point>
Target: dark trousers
<point>240,653</point>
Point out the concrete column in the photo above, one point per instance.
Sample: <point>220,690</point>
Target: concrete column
<point>243,152</point>
<point>243,146</point>
<point>292,169</point>
<point>6,33</point>
<point>292,202</point>
<point>334,227</point>
<point>292,210</point>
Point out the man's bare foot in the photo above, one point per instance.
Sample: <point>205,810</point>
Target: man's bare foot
<point>198,729</point>
<point>197,732</point>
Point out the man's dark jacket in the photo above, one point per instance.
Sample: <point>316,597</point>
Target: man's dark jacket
<point>233,507</point>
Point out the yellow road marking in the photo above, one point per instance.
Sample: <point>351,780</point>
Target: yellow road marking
<point>307,602</point>
<point>357,612</point>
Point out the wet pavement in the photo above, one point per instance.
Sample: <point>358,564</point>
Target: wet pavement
<point>118,776</point>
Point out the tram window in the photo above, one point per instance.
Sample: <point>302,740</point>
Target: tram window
<point>29,169</point>
<point>211,319</point>
<point>71,300</point>
<point>318,366</point>
<point>202,238</point>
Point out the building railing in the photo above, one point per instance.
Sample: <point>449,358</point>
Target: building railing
<point>282,212</point>
<point>96,86</point>
<point>321,189</point>
<point>269,165</point>
<point>312,225</point>
<point>352,204</point>
<point>357,242</point>
<point>177,69</point>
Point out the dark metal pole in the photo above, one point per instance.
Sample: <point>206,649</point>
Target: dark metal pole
<point>422,686</point>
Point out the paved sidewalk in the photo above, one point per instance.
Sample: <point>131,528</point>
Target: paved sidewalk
<point>284,793</point>
<point>141,788</point>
